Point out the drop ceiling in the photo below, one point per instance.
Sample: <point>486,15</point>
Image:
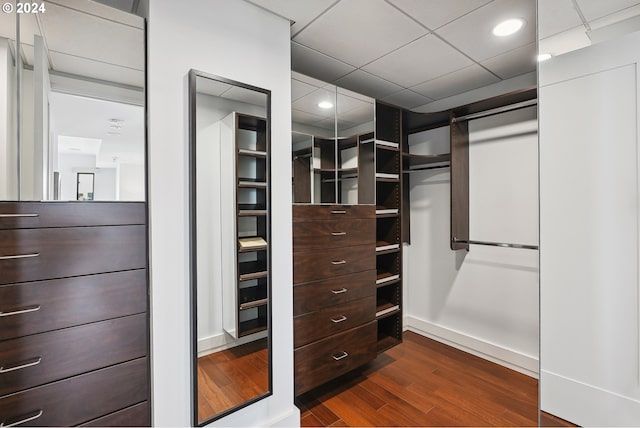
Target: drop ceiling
<point>414,52</point>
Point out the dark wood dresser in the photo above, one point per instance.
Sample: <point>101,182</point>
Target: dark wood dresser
<point>334,294</point>
<point>74,341</point>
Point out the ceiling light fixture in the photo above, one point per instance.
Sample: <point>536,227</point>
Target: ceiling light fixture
<point>325,104</point>
<point>544,57</point>
<point>508,27</point>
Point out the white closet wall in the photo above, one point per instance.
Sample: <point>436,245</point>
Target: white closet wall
<point>484,301</point>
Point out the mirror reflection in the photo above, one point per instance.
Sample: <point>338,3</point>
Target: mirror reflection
<point>231,236</point>
<point>332,154</point>
<point>75,102</point>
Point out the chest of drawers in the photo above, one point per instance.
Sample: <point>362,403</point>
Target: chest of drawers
<point>74,339</point>
<point>334,270</point>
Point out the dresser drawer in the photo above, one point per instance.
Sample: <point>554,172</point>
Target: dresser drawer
<point>78,399</point>
<point>35,254</point>
<point>328,321</point>
<point>30,215</point>
<point>321,264</point>
<point>36,307</point>
<point>323,360</point>
<point>332,212</point>
<point>313,296</point>
<point>312,235</point>
<point>42,358</point>
<point>134,416</point>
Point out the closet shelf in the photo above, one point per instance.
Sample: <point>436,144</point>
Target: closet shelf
<point>386,309</point>
<point>251,213</point>
<point>253,304</point>
<point>387,145</point>
<point>382,212</point>
<point>411,160</point>
<point>384,247</point>
<point>252,183</point>
<point>251,244</point>
<point>385,342</point>
<point>253,325</point>
<point>252,153</point>
<point>252,270</point>
<point>386,177</point>
<point>386,278</point>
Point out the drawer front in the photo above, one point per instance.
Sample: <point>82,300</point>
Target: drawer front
<point>35,254</point>
<point>78,399</point>
<point>321,264</point>
<point>42,358</point>
<point>332,212</point>
<point>313,235</point>
<point>326,359</point>
<point>30,215</point>
<point>36,307</point>
<point>134,416</point>
<point>326,322</point>
<point>313,296</point>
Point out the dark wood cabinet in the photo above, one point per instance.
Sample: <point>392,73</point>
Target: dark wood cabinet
<point>321,264</point>
<point>74,333</point>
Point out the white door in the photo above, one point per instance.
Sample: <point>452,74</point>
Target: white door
<point>589,235</point>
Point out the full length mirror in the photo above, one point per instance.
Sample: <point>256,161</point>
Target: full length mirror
<point>74,102</point>
<point>230,235</point>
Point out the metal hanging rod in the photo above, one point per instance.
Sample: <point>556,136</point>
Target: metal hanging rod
<point>497,110</point>
<point>408,171</point>
<point>497,244</point>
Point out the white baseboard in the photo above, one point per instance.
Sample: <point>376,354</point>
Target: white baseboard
<point>221,341</point>
<point>506,357</point>
<point>586,405</point>
<point>288,419</point>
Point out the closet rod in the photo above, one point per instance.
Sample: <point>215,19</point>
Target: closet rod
<point>496,244</point>
<point>407,171</point>
<point>497,110</point>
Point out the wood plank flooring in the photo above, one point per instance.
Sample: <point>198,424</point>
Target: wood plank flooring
<point>231,377</point>
<point>425,383</point>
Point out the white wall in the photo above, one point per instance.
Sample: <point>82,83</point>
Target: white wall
<point>105,179</point>
<point>131,182</point>
<point>8,148</point>
<point>239,41</point>
<point>484,301</point>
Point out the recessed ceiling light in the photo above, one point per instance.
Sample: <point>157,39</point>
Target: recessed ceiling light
<point>508,27</point>
<point>544,57</point>
<point>325,104</point>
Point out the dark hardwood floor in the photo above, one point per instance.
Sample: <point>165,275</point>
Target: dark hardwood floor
<point>425,383</point>
<point>231,377</point>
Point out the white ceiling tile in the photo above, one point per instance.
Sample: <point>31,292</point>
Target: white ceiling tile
<point>309,103</point>
<point>407,99</point>
<point>356,95</point>
<point>316,64</point>
<point>423,59</point>
<point>616,17</point>
<point>366,83</point>
<point>459,81</point>
<point>513,63</point>
<point>8,26</point>
<point>301,12</point>
<point>308,80</point>
<point>97,9</point>
<point>359,115</point>
<point>299,116</point>
<point>124,5</point>
<point>556,16</point>
<point>325,124</point>
<point>359,31</point>
<point>567,41</point>
<point>473,35</point>
<point>345,104</point>
<point>247,96</point>
<point>300,89</point>
<point>436,13</point>
<point>28,53</point>
<point>594,9</point>
<point>211,87</point>
<point>97,70</point>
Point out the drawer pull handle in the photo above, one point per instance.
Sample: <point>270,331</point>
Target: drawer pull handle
<point>21,311</point>
<point>338,262</point>
<point>341,356</point>
<point>340,319</point>
<point>342,290</point>
<point>338,233</point>
<point>338,212</point>
<point>19,256</point>
<point>30,417</point>
<point>18,215</point>
<point>29,363</point>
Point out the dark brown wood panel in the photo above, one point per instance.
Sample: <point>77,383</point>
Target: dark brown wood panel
<point>134,416</point>
<point>331,357</point>
<point>27,215</point>
<point>79,399</point>
<point>313,235</point>
<point>67,302</point>
<point>313,296</point>
<point>321,264</point>
<point>59,354</point>
<point>332,212</point>
<point>301,180</point>
<point>65,252</point>
<point>459,184</point>
<point>325,322</point>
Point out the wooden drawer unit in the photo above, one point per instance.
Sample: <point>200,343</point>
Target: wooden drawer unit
<point>313,296</point>
<point>78,399</point>
<point>42,358</point>
<point>332,212</point>
<point>331,357</point>
<point>36,307</point>
<point>321,264</point>
<point>335,319</point>
<point>332,233</point>
<point>134,416</point>
<point>36,254</point>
